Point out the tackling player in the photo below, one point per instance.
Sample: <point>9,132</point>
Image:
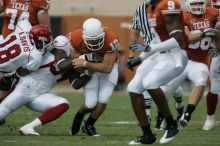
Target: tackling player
<point>35,11</point>
<point>33,89</point>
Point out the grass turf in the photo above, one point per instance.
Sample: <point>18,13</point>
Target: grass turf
<point>117,126</point>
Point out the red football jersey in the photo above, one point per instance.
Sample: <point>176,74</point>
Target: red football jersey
<point>156,16</point>
<point>198,51</point>
<point>16,10</point>
<point>79,45</point>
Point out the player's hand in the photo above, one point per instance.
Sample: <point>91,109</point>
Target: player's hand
<point>133,61</point>
<point>79,63</point>
<point>209,33</point>
<point>138,47</point>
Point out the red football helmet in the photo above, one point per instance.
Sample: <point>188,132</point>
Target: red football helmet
<point>41,36</point>
<point>216,4</point>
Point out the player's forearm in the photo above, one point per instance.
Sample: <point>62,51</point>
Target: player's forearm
<point>77,83</point>
<point>194,37</point>
<point>65,64</point>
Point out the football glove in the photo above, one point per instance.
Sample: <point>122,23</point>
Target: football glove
<point>91,57</point>
<point>138,47</point>
<point>209,33</point>
<point>133,61</point>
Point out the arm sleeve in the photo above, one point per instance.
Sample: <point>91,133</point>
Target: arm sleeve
<point>34,61</point>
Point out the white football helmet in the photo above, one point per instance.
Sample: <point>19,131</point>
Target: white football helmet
<point>197,7</point>
<point>216,4</point>
<point>93,34</point>
<point>63,43</point>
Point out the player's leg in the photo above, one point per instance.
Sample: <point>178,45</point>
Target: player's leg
<point>198,74</point>
<point>6,87</point>
<point>178,96</point>
<point>147,101</point>
<point>163,72</point>
<point>135,89</point>
<point>12,102</point>
<point>91,99</point>
<point>51,107</point>
<point>107,83</point>
<point>212,96</point>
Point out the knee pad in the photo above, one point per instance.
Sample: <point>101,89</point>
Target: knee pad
<point>215,89</point>
<point>150,83</point>
<point>202,80</point>
<point>90,103</point>
<point>105,98</point>
<point>135,87</point>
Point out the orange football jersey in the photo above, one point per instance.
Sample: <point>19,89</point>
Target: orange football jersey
<point>16,10</point>
<point>79,45</point>
<point>198,51</point>
<point>156,16</point>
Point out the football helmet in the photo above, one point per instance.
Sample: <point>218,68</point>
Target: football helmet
<point>197,7</point>
<point>93,34</point>
<point>216,4</point>
<point>41,37</point>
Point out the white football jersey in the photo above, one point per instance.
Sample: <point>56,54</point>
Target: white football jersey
<point>47,76</point>
<point>17,51</point>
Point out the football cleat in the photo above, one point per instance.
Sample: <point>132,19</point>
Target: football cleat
<point>143,140</point>
<point>209,123</point>
<point>75,125</point>
<point>89,130</point>
<point>184,120</point>
<point>170,133</point>
<point>28,131</point>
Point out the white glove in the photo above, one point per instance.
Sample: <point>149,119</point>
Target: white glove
<point>138,47</point>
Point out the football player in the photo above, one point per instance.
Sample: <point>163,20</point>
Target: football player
<point>212,96</point>
<point>93,37</point>
<point>35,11</point>
<point>198,21</point>
<point>33,89</point>
<point>165,61</point>
<point>24,48</point>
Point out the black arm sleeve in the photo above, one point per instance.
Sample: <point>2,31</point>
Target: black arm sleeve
<point>76,79</point>
<point>60,55</point>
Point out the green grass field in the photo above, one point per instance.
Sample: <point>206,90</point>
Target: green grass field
<point>117,127</point>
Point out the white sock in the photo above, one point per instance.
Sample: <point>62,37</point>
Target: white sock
<point>35,123</point>
<point>211,117</point>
